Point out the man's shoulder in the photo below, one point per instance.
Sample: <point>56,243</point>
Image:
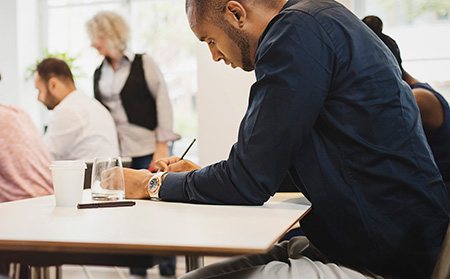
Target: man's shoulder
<point>300,20</point>
<point>82,100</point>
<point>84,112</point>
<point>298,14</point>
<point>90,106</point>
<point>310,6</point>
<point>79,103</point>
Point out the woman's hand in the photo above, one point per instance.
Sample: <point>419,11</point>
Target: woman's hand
<point>161,151</point>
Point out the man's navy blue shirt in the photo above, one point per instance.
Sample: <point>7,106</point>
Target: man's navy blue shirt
<point>329,109</point>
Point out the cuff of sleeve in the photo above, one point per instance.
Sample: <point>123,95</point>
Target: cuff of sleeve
<point>165,135</point>
<point>172,187</point>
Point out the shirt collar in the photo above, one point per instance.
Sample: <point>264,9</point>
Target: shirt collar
<point>287,5</point>
<point>68,97</point>
<point>129,55</point>
<point>126,59</point>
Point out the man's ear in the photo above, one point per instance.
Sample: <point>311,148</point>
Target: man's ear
<point>235,13</point>
<point>53,83</point>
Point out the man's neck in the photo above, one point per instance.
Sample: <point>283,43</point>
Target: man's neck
<point>266,14</point>
<point>68,91</point>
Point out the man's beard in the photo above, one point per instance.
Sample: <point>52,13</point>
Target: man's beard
<point>50,101</point>
<point>241,39</point>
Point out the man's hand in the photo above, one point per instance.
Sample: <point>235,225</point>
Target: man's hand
<point>174,164</point>
<point>136,182</point>
<point>112,179</point>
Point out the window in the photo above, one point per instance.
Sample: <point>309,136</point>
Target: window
<point>158,27</point>
<point>421,29</point>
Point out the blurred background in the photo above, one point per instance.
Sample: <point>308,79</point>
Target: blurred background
<point>209,99</point>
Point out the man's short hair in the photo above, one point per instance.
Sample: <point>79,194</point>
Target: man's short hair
<point>54,67</point>
<point>210,9</point>
<point>207,9</point>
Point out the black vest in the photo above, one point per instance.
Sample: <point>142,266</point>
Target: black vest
<point>139,103</point>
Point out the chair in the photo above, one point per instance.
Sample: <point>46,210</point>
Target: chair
<point>442,268</point>
<point>88,175</point>
<point>126,162</point>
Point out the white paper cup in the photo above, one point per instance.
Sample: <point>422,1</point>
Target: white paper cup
<point>68,180</point>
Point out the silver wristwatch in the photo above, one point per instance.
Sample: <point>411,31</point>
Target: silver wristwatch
<point>154,185</point>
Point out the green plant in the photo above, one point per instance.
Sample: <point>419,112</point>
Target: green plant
<point>70,60</point>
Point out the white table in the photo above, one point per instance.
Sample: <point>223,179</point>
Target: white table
<point>37,233</point>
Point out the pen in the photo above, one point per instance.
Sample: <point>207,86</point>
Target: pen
<point>187,149</point>
<point>105,204</point>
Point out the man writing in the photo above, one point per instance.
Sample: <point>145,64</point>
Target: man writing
<point>328,109</point>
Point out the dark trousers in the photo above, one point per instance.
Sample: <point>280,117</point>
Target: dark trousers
<point>167,265</point>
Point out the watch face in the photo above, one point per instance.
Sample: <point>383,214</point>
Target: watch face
<point>153,184</point>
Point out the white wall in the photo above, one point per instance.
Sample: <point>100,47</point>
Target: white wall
<point>18,51</point>
<point>222,101</point>
<point>8,53</point>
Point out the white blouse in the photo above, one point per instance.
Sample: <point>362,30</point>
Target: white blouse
<point>134,140</point>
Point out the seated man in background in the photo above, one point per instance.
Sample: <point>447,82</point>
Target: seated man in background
<point>81,128</point>
<point>24,161</point>
<point>434,109</point>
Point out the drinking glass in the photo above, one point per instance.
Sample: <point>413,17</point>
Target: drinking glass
<point>107,179</point>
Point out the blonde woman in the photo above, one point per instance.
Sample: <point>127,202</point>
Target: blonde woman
<point>132,87</point>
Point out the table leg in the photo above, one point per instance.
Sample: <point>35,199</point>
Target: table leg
<point>194,262</point>
<point>39,272</point>
<point>58,272</point>
<point>14,270</point>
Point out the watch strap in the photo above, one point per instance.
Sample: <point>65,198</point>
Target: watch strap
<point>154,191</point>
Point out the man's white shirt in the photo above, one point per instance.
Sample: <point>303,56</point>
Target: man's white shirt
<point>81,129</point>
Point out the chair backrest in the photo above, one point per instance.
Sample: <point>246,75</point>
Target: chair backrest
<point>88,175</point>
<point>442,268</point>
<point>126,162</point>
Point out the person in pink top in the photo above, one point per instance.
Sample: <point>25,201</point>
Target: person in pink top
<point>24,161</point>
